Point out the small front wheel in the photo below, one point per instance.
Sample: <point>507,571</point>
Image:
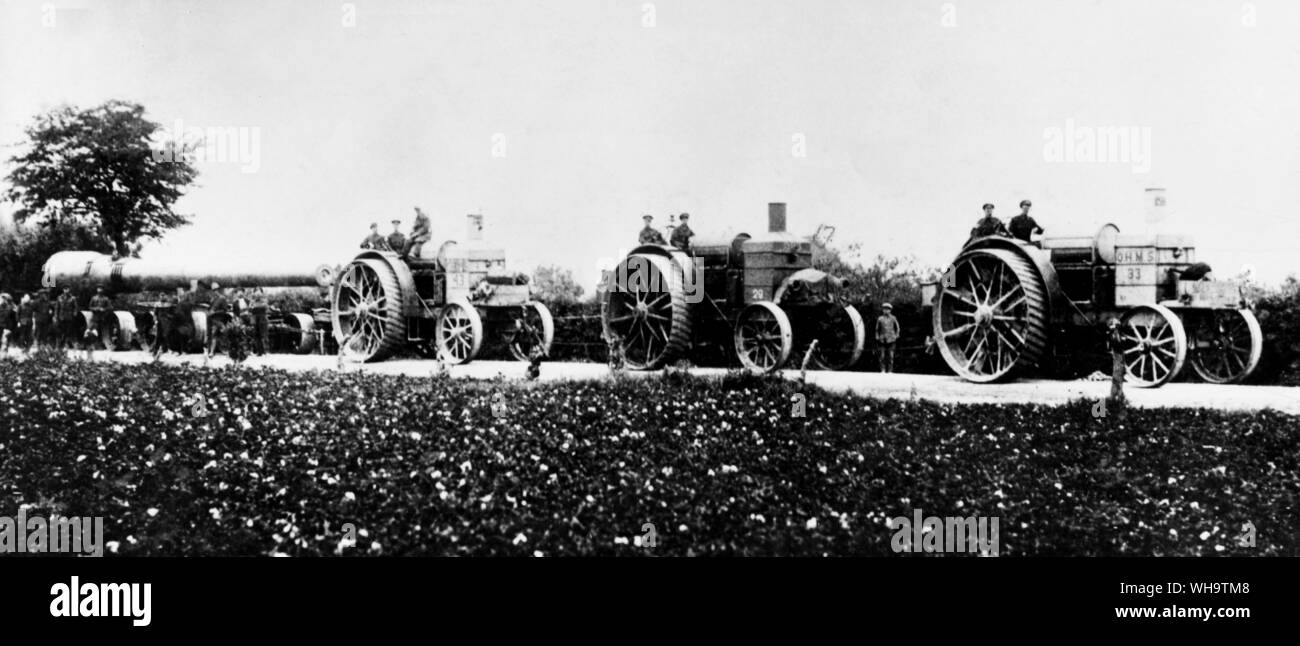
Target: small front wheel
<point>459,332</point>
<point>763,337</point>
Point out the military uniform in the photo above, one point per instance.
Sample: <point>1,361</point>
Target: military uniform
<point>218,313</point>
<point>421,233</point>
<point>651,235</point>
<point>100,311</point>
<point>65,317</point>
<point>25,310</point>
<point>8,322</point>
<point>988,226</point>
<point>262,326</point>
<point>887,330</point>
<point>682,235</point>
<point>42,315</point>
<point>376,242</point>
<point>162,326</point>
<point>396,241</point>
<point>182,327</point>
<point>1023,227</point>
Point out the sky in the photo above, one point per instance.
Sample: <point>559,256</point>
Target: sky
<point>564,121</point>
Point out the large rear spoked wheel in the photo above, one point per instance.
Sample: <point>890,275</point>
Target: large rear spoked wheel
<point>991,315</point>
<point>367,311</point>
<point>1225,345</point>
<point>763,337</point>
<point>1154,345</point>
<point>646,311</point>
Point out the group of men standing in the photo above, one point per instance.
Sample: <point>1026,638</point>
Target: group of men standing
<point>36,320</point>
<point>397,242</point>
<point>174,318</point>
<point>680,237</point>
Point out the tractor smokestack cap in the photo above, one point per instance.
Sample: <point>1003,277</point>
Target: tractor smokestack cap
<point>776,217</point>
<point>474,223</point>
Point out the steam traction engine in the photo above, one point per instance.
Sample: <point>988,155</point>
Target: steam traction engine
<point>756,295</point>
<point>443,303</point>
<point>1005,305</point>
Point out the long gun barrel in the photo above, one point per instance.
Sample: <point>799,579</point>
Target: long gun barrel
<point>91,269</point>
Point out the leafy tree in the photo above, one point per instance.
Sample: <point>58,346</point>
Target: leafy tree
<point>98,169</point>
<point>552,284</point>
<point>896,280</point>
<point>1278,311</point>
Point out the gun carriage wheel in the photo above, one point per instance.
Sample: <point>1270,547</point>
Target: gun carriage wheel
<point>533,328</point>
<point>647,311</point>
<point>367,311</point>
<point>459,332</point>
<point>1154,345</point>
<point>300,332</point>
<point>991,315</point>
<point>1225,345</point>
<point>763,337</point>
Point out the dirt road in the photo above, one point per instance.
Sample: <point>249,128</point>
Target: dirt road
<point>931,387</point>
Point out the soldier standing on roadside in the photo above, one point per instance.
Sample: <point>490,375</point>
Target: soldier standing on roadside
<point>887,330</point>
<point>182,316</point>
<point>261,326</point>
<point>218,312</point>
<point>65,317</point>
<point>162,324</point>
<point>8,321</point>
<point>100,311</point>
<point>649,234</point>
<point>42,315</point>
<point>25,309</point>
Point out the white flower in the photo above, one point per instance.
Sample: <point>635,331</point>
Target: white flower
<point>349,496</point>
<point>812,523</point>
<point>152,511</point>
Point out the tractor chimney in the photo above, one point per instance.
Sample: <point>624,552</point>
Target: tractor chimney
<point>474,224</point>
<point>776,217</point>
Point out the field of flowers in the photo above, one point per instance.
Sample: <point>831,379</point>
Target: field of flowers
<point>188,461</point>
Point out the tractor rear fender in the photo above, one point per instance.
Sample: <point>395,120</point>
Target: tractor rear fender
<point>1058,302</point>
<point>411,305</point>
<point>692,275</point>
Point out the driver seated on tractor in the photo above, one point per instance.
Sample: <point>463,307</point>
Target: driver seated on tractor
<point>989,225</point>
<point>421,232</point>
<point>374,240</point>
<point>682,233</point>
<point>649,234</point>
<point>1023,226</point>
